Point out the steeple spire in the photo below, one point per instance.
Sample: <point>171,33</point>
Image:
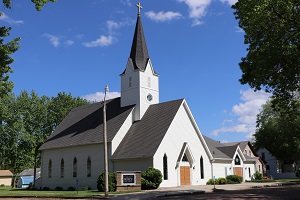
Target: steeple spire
<point>139,52</point>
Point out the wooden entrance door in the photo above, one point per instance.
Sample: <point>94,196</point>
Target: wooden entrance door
<point>238,171</point>
<point>185,175</point>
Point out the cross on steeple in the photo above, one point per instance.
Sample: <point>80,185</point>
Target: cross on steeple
<point>139,8</point>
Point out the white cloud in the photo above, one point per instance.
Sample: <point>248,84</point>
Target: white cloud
<point>197,9</point>
<point>113,25</point>
<point>54,40</point>
<point>101,41</point>
<point>4,17</point>
<point>163,16</point>
<point>230,2</point>
<point>99,96</point>
<point>126,2</point>
<point>79,36</point>
<point>69,42</point>
<point>245,112</point>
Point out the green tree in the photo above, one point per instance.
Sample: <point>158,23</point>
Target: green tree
<point>38,3</point>
<point>272,35</point>
<point>26,121</point>
<point>278,130</point>
<point>6,49</point>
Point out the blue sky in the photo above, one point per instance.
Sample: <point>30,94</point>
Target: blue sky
<point>195,46</point>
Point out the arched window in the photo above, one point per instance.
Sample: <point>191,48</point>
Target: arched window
<point>62,168</point>
<point>75,167</point>
<point>165,163</point>
<point>237,160</point>
<point>201,168</point>
<point>50,168</point>
<point>89,167</point>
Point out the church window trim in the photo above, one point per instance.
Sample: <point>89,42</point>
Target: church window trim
<point>62,168</point>
<point>89,167</point>
<point>50,169</point>
<point>165,167</point>
<point>75,167</point>
<point>237,160</point>
<point>201,168</point>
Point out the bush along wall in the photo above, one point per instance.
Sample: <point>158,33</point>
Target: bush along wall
<point>112,182</point>
<point>151,178</point>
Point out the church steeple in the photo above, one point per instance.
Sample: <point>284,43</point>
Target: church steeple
<point>139,81</point>
<point>139,52</point>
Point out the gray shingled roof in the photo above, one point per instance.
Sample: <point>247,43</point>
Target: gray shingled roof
<point>139,52</point>
<point>242,144</point>
<point>219,150</point>
<point>84,125</point>
<point>145,136</point>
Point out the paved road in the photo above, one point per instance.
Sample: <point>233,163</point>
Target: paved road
<point>235,191</point>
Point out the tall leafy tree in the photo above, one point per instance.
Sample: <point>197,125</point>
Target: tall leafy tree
<point>278,130</point>
<point>26,121</point>
<point>6,49</point>
<point>272,33</point>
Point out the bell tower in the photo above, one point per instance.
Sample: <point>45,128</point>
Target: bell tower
<point>139,81</point>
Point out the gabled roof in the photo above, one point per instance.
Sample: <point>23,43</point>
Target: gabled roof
<point>217,149</point>
<point>29,172</point>
<point>145,136</point>
<point>5,173</point>
<point>84,125</point>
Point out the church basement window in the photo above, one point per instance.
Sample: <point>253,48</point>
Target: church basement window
<point>165,164</point>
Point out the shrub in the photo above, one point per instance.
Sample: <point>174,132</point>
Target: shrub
<point>298,172</point>
<point>46,188</point>
<point>2,185</point>
<point>234,179</point>
<point>210,182</point>
<point>112,182</point>
<point>59,188</point>
<point>258,175</point>
<point>85,188</point>
<point>71,188</point>
<point>221,181</point>
<point>152,178</point>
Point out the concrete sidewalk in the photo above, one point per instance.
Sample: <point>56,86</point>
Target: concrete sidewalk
<point>188,190</point>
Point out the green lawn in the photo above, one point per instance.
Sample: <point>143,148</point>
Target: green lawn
<point>6,191</point>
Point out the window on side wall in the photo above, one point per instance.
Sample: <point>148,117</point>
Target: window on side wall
<point>89,167</point>
<point>62,168</point>
<point>50,168</point>
<point>165,165</point>
<point>75,167</point>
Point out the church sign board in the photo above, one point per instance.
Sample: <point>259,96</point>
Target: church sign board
<point>128,180</point>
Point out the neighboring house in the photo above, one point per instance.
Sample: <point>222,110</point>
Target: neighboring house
<point>276,168</point>
<point>230,160</point>
<point>248,150</point>
<point>6,177</point>
<point>24,181</point>
<point>141,132</point>
<point>26,177</point>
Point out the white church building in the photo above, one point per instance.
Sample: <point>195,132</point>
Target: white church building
<point>142,132</point>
